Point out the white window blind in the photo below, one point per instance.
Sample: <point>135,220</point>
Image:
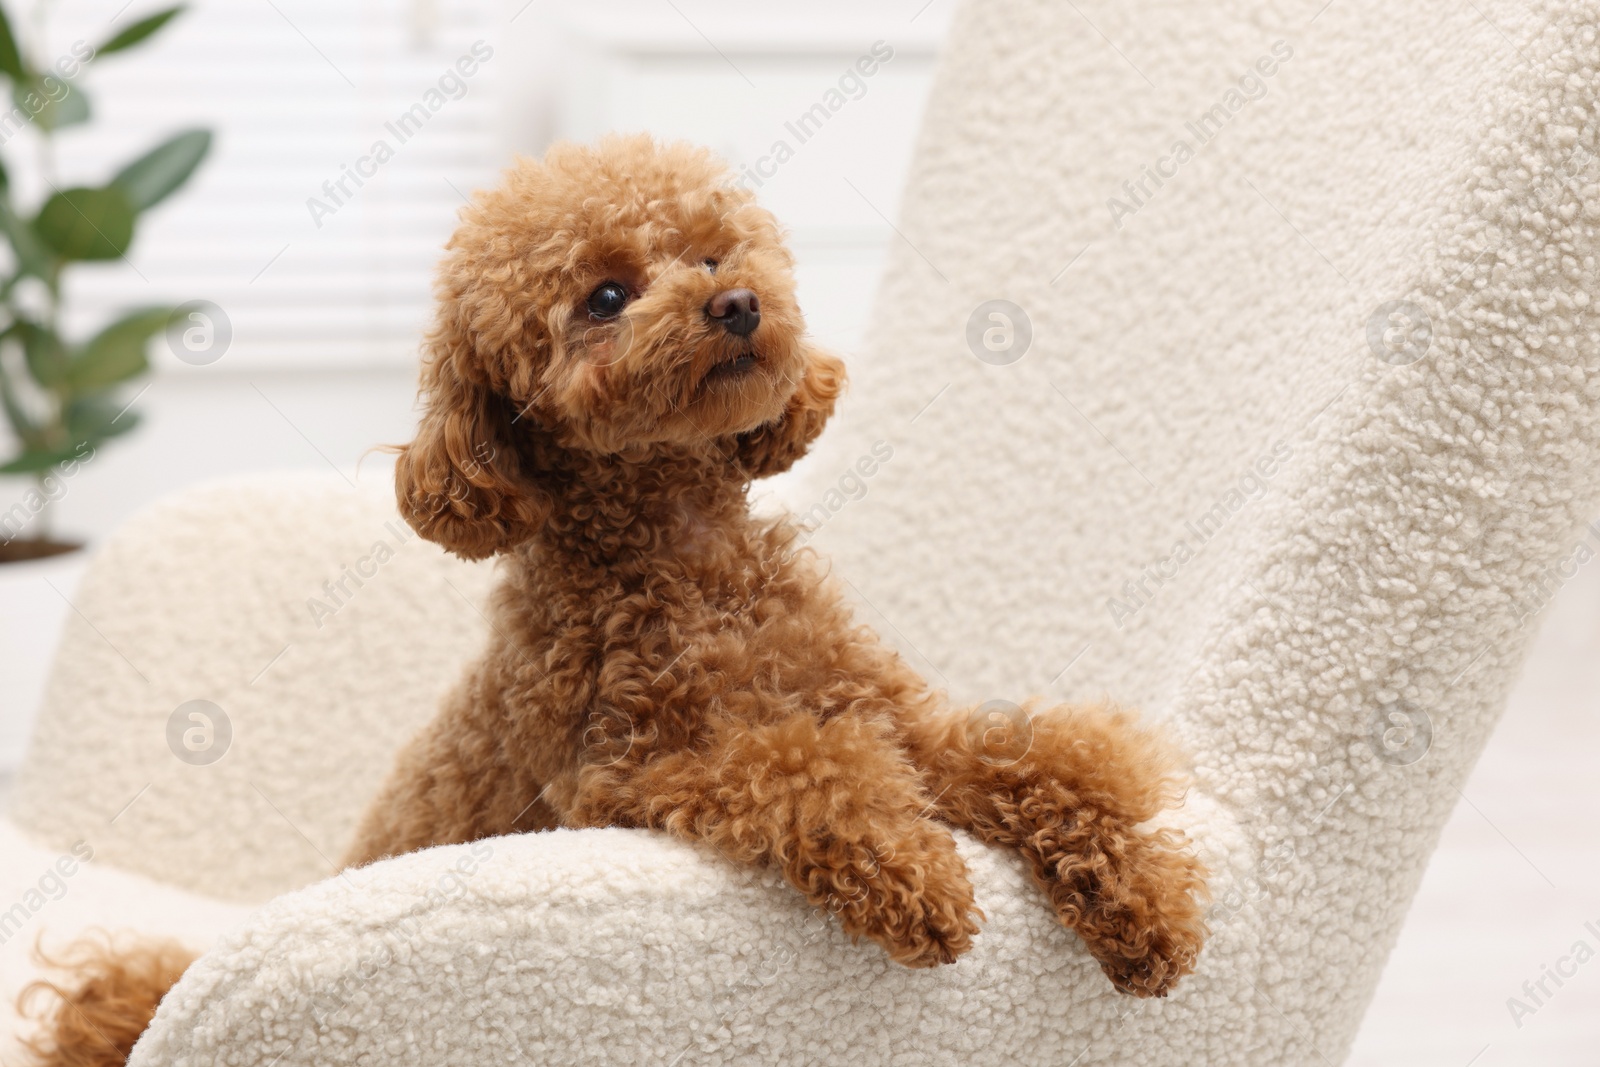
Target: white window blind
<point>347,135</point>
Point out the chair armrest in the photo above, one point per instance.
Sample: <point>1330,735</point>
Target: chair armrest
<point>620,946</point>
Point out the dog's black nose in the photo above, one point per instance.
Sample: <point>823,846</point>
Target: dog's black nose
<point>738,310</point>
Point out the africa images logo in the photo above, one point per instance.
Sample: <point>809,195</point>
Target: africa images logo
<point>1249,87</point>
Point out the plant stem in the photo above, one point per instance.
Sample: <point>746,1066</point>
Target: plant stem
<point>41,532</point>
<point>47,171</point>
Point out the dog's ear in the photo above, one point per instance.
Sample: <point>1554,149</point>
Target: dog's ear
<point>463,482</point>
<point>773,448</point>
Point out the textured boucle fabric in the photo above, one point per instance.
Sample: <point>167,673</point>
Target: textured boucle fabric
<point>615,947</point>
<point>1335,644</point>
<point>307,613</point>
<point>1365,545</point>
<point>55,896</point>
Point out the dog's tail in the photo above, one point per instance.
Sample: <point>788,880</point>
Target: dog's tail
<point>94,1017</point>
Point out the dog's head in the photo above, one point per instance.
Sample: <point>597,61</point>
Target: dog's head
<point>624,301</point>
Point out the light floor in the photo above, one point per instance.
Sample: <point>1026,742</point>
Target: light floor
<point>1513,883</point>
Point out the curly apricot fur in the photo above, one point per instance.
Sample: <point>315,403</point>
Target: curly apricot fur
<point>94,1018</point>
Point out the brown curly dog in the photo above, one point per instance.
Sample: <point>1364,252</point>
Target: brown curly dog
<point>617,355</point>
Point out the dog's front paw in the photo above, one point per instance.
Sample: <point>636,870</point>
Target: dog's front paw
<point>913,898</point>
<point>1166,950</point>
<point>1136,900</point>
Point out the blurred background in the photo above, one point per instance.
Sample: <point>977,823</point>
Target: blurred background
<point>345,138</point>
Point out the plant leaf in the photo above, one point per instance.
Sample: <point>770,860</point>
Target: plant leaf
<point>158,173</point>
<point>10,58</point>
<point>50,114</point>
<point>38,459</point>
<point>117,352</point>
<point>85,223</point>
<point>46,355</point>
<point>92,419</point>
<point>139,30</point>
<point>32,256</point>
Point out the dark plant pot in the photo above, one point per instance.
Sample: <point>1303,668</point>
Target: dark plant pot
<point>25,550</point>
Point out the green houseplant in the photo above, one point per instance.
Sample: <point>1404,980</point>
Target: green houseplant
<point>61,395</point>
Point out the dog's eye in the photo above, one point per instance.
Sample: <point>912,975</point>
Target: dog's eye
<point>711,265</point>
<point>608,301</point>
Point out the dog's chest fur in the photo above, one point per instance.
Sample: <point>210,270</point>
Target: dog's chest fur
<point>719,615</point>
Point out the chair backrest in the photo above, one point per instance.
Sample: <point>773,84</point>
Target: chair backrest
<point>243,660</point>
<point>1239,360</point>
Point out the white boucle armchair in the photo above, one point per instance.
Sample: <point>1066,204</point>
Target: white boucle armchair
<point>1292,403</point>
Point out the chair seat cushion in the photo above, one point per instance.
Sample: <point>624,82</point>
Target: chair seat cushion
<point>54,895</point>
